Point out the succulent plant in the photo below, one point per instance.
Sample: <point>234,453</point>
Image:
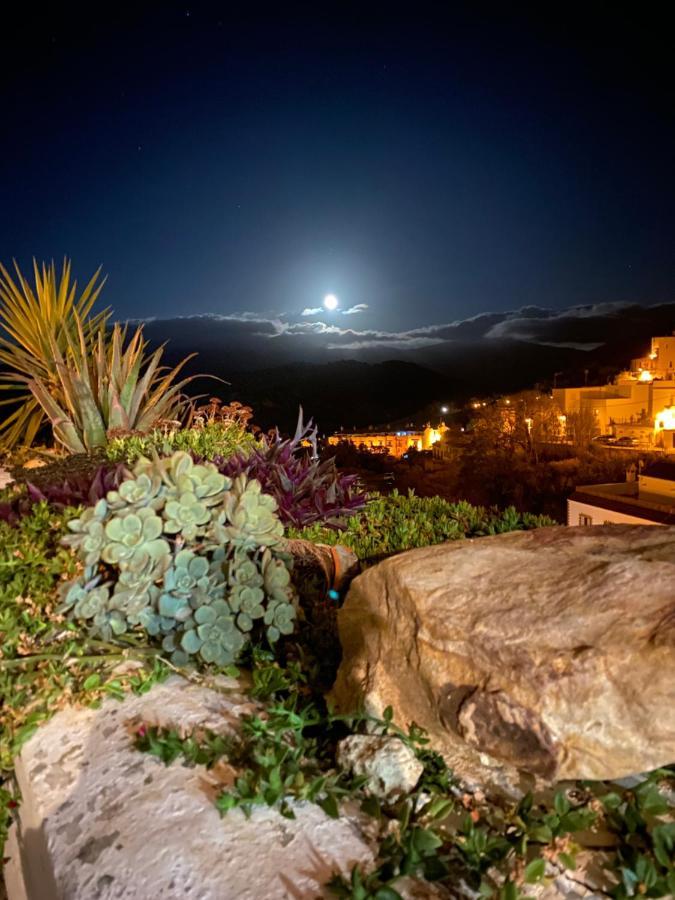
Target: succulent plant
<point>137,492</point>
<point>135,588</point>
<point>248,603</point>
<point>90,601</point>
<point>180,474</point>
<point>248,519</point>
<point>86,601</point>
<point>188,571</point>
<point>186,516</point>
<point>244,572</point>
<point>133,537</point>
<point>88,537</point>
<point>215,636</point>
<point>276,577</point>
<point>280,619</point>
<point>179,550</point>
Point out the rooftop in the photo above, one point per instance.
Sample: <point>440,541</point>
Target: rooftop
<point>623,498</point>
<point>662,469</point>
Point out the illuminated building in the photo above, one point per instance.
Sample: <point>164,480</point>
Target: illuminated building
<point>640,404</point>
<point>660,361</point>
<point>396,443</point>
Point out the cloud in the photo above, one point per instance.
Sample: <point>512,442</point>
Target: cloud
<point>352,310</point>
<point>391,341</point>
<point>580,327</point>
<point>250,340</point>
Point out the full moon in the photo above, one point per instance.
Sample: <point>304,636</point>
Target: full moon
<point>330,301</point>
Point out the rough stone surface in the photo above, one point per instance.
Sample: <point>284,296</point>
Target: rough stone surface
<point>100,820</point>
<point>550,652</point>
<point>392,768</point>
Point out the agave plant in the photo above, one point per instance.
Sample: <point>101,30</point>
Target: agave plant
<point>106,383</point>
<point>35,319</point>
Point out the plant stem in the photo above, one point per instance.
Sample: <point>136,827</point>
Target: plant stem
<point>101,657</point>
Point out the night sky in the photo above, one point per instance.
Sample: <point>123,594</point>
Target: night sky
<point>425,168</point>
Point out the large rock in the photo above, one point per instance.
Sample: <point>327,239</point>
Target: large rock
<point>550,652</point>
<point>101,821</point>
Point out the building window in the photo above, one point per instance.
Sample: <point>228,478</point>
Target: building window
<point>585,520</point>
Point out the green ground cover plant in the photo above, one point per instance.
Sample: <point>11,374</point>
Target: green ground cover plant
<point>51,656</point>
<point>212,440</point>
<point>47,662</point>
<point>439,832</point>
<point>396,522</point>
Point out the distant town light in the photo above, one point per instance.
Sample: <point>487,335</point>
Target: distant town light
<point>646,375</point>
<point>665,419</point>
<point>444,409</point>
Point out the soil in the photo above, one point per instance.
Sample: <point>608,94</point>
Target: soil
<point>66,468</point>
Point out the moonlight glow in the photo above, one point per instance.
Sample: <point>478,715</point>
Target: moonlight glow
<point>330,301</point>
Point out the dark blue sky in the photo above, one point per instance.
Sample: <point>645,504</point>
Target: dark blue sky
<point>433,165</point>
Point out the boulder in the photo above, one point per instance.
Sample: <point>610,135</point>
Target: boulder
<point>99,820</point>
<point>548,652</point>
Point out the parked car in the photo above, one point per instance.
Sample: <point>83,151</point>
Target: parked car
<point>605,439</point>
<point>626,442</point>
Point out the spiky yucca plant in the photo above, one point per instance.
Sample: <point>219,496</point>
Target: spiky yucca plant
<point>108,384</point>
<point>34,320</point>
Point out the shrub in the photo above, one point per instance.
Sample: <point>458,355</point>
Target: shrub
<point>396,522</point>
<point>37,320</point>
<point>186,554</point>
<point>306,489</point>
<point>216,440</point>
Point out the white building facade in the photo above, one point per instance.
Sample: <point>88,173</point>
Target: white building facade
<point>639,404</point>
<point>648,500</point>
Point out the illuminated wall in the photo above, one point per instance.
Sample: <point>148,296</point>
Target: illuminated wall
<point>664,428</point>
<point>660,362</point>
<point>394,442</point>
<point>397,443</point>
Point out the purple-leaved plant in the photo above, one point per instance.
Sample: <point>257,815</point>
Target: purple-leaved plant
<point>306,489</point>
<point>78,490</point>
